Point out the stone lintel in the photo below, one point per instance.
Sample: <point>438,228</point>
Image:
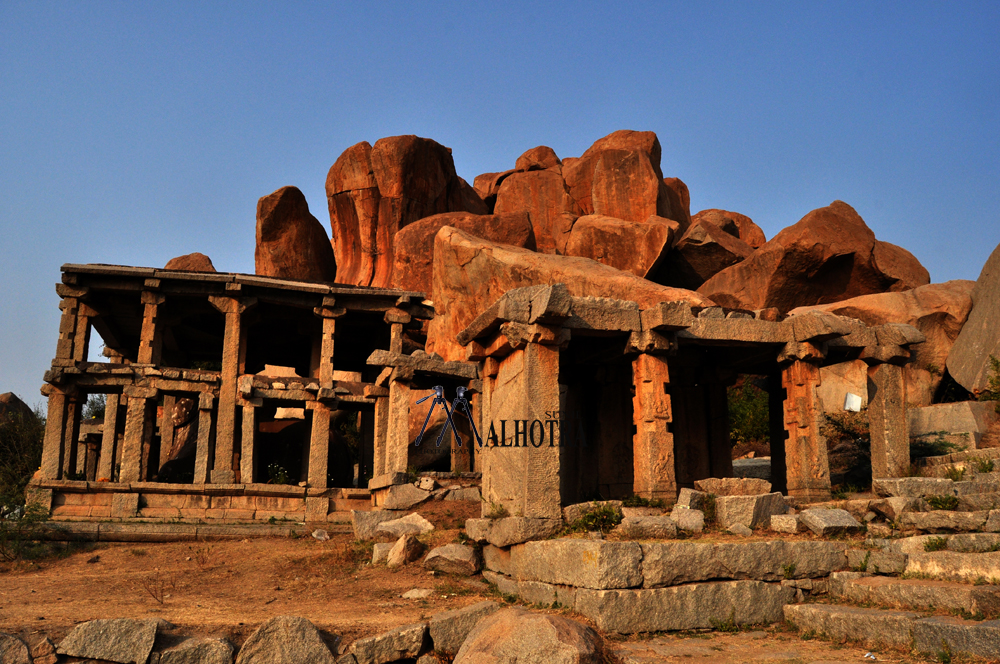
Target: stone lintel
<point>422,363</point>
<point>885,355</point>
<point>520,334</point>
<point>801,351</point>
<point>667,316</point>
<point>137,392</point>
<point>65,290</point>
<point>649,341</point>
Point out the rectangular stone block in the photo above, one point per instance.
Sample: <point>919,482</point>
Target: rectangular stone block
<point>963,637</point>
<point>940,521</point>
<point>694,606</point>
<point>124,505</point>
<point>582,563</point>
<point>749,511</point>
<point>874,628</point>
<point>952,566</point>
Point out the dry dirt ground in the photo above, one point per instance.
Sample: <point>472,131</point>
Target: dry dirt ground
<point>228,588</point>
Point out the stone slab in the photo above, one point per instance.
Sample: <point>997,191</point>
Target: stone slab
<point>448,629</point>
<point>874,628</point>
<point>963,637</point>
<point>582,563</point>
<point>829,522</point>
<point>751,511</point>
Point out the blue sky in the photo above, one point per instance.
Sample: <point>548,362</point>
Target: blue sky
<point>134,132</point>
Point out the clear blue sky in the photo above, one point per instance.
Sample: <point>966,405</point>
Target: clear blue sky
<point>134,132</point>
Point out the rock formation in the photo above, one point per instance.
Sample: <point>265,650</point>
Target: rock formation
<point>291,243</point>
<point>191,263</point>
<point>735,224</point>
<point>968,362</point>
<point>703,251</point>
<point>635,247</point>
<point>828,256</point>
<point>12,407</point>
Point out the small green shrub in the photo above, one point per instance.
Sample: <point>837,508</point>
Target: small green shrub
<point>931,444</point>
<point>709,509</point>
<point>954,474</point>
<point>277,474</point>
<point>936,544</point>
<point>983,465</point>
<point>496,511</point>
<point>788,570</point>
<point>639,501</point>
<point>19,528</point>
<point>601,517</point>
<point>949,503</point>
<point>992,391</point>
<point>729,625</point>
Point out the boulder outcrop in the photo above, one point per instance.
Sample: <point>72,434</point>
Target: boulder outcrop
<point>516,635</point>
<point>733,223</point>
<point>291,243</point>
<point>630,246</point>
<point>191,263</point>
<point>703,251</point>
<point>543,196</point>
<point>828,256</point>
<point>979,339</point>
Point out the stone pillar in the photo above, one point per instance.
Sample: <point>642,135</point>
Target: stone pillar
<point>166,429</point>
<point>396,318</point>
<point>203,453</point>
<point>248,453</point>
<point>81,336</point>
<point>329,313</point>
<point>319,445</point>
<point>232,354</point>
<point>397,439</point>
<point>66,346</point>
<point>652,442</point>
<point>55,425</point>
<point>151,334</point>
<point>887,422</point>
<point>807,463</point>
<point>138,419</point>
<point>109,439</point>
<point>71,435</point>
<point>380,439</point>
<point>93,444</point>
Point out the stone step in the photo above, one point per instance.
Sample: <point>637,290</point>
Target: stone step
<point>916,487</point>
<point>887,591</point>
<point>979,568</point>
<point>938,635</point>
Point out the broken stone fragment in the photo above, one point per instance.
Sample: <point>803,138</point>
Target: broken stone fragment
<point>517,635</point>
<point>688,520</point>
<point>397,644</point>
<point>13,650</point>
<point>411,524</point>
<point>365,522</point>
<point>380,552</point>
<point>786,523</point>
<point>121,640</point>
<point>750,511</point>
<point>404,496</point>
<point>829,522</point>
<point>199,651</point>
<point>740,529</point>
<point>285,640</point>
<point>511,530</point>
<point>449,629</point>
<point>406,549</point>
<point>453,559</point>
<point>647,527</point>
<point>696,500</point>
<point>572,513</point>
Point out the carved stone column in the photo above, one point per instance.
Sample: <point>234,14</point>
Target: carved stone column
<point>319,445</point>
<point>887,422</point>
<point>233,353</point>
<point>166,429</point>
<point>652,442</point>
<point>138,428</point>
<point>329,313</point>
<point>109,439</point>
<point>248,453</point>
<point>151,334</point>
<point>806,459</point>
<point>55,425</point>
<point>397,440</point>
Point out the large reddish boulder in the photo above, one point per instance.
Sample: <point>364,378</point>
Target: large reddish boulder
<point>735,224</point>
<point>537,159</point>
<point>631,246</point>
<point>828,256</point>
<point>543,195</point>
<point>487,185</point>
<point>374,191</point>
<point>680,199</point>
<point>702,252</point>
<point>938,310</point>
<point>414,245</point>
<point>516,635</point>
<point>291,243</point>
<point>470,274</point>
<point>969,361</point>
<point>191,263</point>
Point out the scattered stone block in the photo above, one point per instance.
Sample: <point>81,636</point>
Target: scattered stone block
<point>647,527</point>
<point>581,563</point>
<point>641,511</point>
<point>693,606</point>
<point>498,560</point>
<point>411,524</point>
<point>365,523</point>
<point>449,629</point>
<point>750,511</point>
<point>733,486</point>
<point>962,423</point>
<point>285,640</point>
<point>573,513</point>
<point>963,637</point>
<point>403,497</point>
<point>396,644</point>
<point>879,530</point>
<point>696,500</point>
<point>511,530</point>
<point>913,487</point>
<point>759,468</point>
<point>406,549</point>
<point>453,559</point>
<point>380,552</point>
<point>44,652</point>
<point>875,628</point>
<point>199,651</point>
<point>121,640</point>
<point>786,523</point>
<point>876,562</point>
<point>740,529</point>
<point>940,521</point>
<point>829,522</point>
<point>470,494</point>
<point>426,483</point>
<point>688,520</point>
<point>893,508</point>
<point>516,635</point>
<point>418,593</point>
<point>13,650</point>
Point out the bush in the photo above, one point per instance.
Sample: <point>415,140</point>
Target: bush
<point>21,438</point>
<point>602,518</point>
<point>749,419</point>
<point>849,446</point>
<point>18,528</point>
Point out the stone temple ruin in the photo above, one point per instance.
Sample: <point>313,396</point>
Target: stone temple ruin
<point>595,326</point>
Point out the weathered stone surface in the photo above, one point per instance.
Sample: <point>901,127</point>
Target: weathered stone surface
<point>291,243</point>
<point>647,527</point>
<point>678,199</point>
<point>953,566</point>
<point>693,606</point>
<point>453,559</point>
<point>641,511</point>
<point>575,512</point>
<point>404,496</point>
<point>734,223</point>
<point>468,494</point>
<point>923,594</point>
<point>511,530</point>
<point>700,253</point>
<point>739,529</point>
<point>285,640</point>
<point>199,651</point>
<point>43,652</point>
<point>353,201</point>
<point>939,521</point>
<point>876,562</point>
<point>829,255</point>
<point>939,311</point>
<point>749,511</point>
<point>829,522</point>
<point>674,563</point>
<point>968,361</point>
<point>194,262</point>
<point>913,487</point>
<point>449,629</point>
<point>580,563</point>
<point>963,637</point>
<point>505,584</point>
<point>380,552</point>
<point>487,185</point>
<point>872,627</point>
<point>365,523</point>
<point>470,273</point>
<point>546,594</point>
<point>411,524</point>
<point>786,523</point>
<point>696,500</point>
<point>406,549</point>
<point>515,635</point>
<point>537,159</point>
<point>498,560</point>
<point>839,380</point>
<point>963,423</point>
<point>689,520</point>
<point>733,486</point>
<point>414,244</point>
<point>122,640</point>
<point>396,644</point>
<point>13,650</point>
<point>543,196</point>
<point>626,186</point>
<point>636,247</point>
